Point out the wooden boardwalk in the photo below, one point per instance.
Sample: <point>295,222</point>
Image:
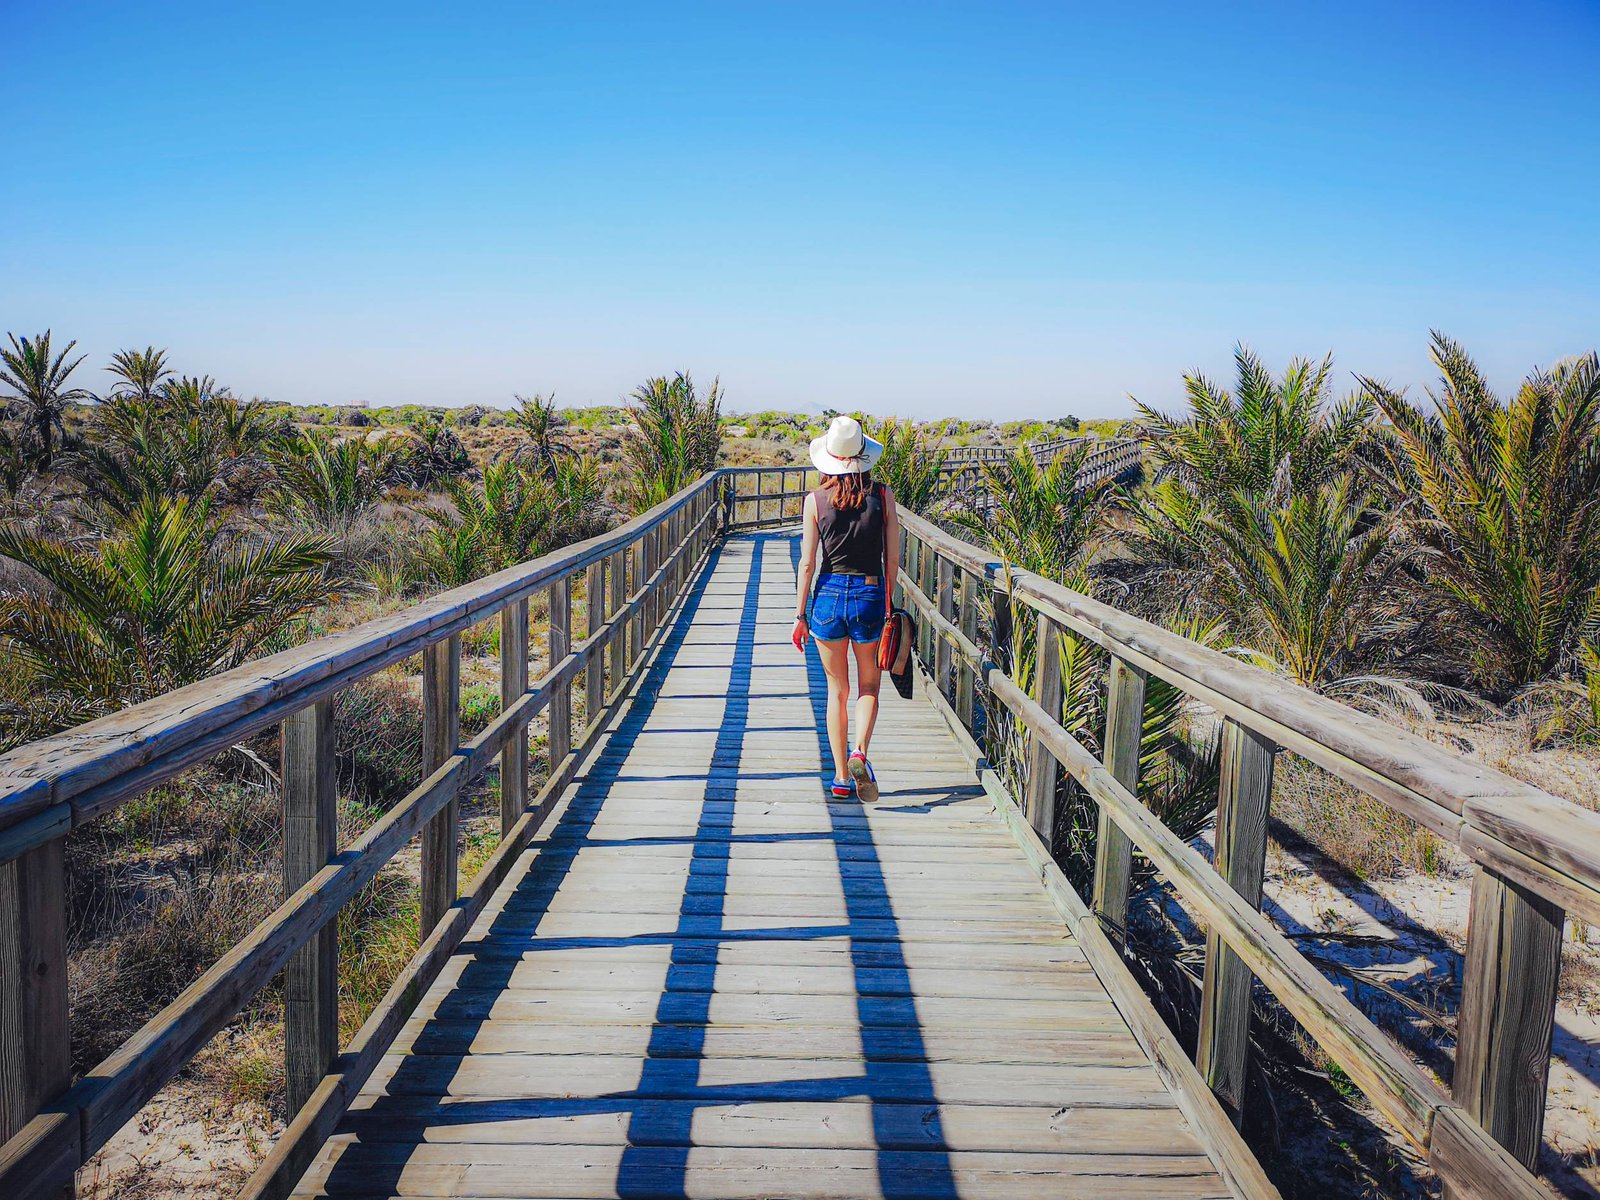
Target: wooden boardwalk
<point>710,980</point>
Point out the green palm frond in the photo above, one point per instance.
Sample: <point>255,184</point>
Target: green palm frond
<point>164,601</point>
<point>1508,505</point>
<point>911,461</point>
<point>675,439</point>
<point>332,483</point>
<point>38,383</point>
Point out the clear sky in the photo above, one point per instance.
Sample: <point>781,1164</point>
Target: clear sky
<point>987,209</point>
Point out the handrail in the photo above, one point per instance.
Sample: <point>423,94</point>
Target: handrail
<point>1535,854</point>
<point>633,576</point>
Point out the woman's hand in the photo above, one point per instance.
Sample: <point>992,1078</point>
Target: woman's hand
<point>802,630</point>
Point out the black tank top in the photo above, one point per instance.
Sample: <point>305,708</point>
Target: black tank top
<point>852,540</point>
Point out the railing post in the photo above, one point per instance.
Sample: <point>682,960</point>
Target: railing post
<point>1508,999</point>
<point>925,577</point>
<point>1243,803</point>
<point>35,1051</point>
<point>441,736</point>
<point>1043,770</point>
<point>966,675</point>
<point>636,575</point>
<point>560,641</point>
<point>944,652</point>
<point>310,839</point>
<point>594,671</point>
<point>1001,652</point>
<point>1113,856</point>
<point>513,683</point>
<point>617,639</point>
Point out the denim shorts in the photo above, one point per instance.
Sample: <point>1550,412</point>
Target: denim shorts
<point>847,606</point>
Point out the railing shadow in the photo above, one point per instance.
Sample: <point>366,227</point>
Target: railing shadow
<point>894,1076</point>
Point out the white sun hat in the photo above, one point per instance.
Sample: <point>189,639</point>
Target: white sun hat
<point>845,449</point>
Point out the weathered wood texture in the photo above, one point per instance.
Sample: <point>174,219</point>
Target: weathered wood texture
<point>513,682</point>
<point>1240,857</point>
<point>1113,851</point>
<point>441,734</point>
<point>310,837</point>
<point>708,978</point>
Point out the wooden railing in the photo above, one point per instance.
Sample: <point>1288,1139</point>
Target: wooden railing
<point>632,578</point>
<point>1107,458</point>
<point>1535,855</point>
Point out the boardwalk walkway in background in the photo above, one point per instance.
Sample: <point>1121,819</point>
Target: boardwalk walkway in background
<point>710,980</point>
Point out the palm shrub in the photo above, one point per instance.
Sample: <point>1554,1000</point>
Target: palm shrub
<point>1507,507</point>
<point>167,599</point>
<point>1261,516</point>
<point>1035,516</point>
<point>1242,440</point>
<point>179,437</point>
<point>911,461</point>
<point>331,483</point>
<point>1299,573</point>
<point>432,454</point>
<point>675,438</point>
<point>539,420</point>
<point>40,394</point>
<point>517,513</point>
<point>139,373</point>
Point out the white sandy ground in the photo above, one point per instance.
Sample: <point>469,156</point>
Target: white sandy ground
<point>1423,923</point>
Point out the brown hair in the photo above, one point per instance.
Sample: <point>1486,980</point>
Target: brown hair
<point>848,492</point>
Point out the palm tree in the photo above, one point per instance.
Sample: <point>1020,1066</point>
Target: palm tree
<point>38,383</point>
<point>1035,516</point>
<point>1242,440</point>
<point>141,372</point>
<point>1255,514</point>
<point>331,483</point>
<point>167,600</point>
<point>538,417</point>
<point>1508,507</point>
<point>518,513</point>
<point>1297,573</point>
<point>675,439</point>
<point>189,437</point>
<point>911,461</point>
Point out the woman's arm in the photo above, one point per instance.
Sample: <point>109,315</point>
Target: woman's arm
<point>808,568</point>
<point>891,545</point>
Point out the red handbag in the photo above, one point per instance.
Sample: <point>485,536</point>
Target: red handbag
<point>894,649</point>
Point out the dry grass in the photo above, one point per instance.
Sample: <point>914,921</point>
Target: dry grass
<point>1364,836</point>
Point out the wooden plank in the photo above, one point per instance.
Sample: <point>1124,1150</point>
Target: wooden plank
<point>513,682</point>
<point>35,1050</point>
<point>310,840</point>
<point>848,1123</point>
<point>617,578</point>
<point>1508,998</point>
<point>1240,857</point>
<point>1040,798</point>
<point>441,735</point>
<point>1113,855</point>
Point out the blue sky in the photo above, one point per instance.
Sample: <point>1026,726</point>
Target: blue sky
<point>986,209</point>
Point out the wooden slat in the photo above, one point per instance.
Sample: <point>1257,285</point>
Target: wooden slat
<point>1040,803</point>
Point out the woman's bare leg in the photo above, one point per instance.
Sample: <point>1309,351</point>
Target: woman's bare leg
<point>836,665</point>
<point>868,676</point>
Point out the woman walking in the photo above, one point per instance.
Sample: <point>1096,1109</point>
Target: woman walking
<point>852,521</point>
